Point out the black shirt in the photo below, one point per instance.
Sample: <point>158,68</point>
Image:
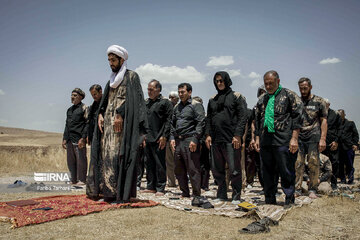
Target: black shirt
<point>288,110</point>
<point>349,135</point>
<point>76,123</point>
<point>159,113</point>
<point>93,113</point>
<point>334,124</point>
<point>222,124</point>
<point>188,120</point>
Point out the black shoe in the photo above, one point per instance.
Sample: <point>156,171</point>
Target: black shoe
<point>334,186</point>
<point>351,181</point>
<point>343,181</point>
<point>199,201</point>
<point>270,201</point>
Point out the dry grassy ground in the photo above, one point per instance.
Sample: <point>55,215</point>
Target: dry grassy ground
<point>325,218</point>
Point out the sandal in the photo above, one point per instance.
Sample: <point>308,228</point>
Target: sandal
<point>255,227</point>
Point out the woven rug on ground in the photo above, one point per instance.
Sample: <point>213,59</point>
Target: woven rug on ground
<point>62,206</point>
<point>172,199</point>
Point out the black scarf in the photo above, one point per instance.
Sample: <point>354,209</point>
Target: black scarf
<point>221,96</point>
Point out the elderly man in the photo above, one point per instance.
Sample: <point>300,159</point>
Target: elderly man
<point>186,131</point>
<point>122,125</point>
<point>159,113</point>
<point>277,126</point>
<point>170,165</point>
<point>349,139</point>
<point>96,93</point>
<point>312,138</point>
<point>74,140</point>
<point>225,126</point>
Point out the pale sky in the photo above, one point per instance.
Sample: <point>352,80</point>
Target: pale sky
<point>47,48</point>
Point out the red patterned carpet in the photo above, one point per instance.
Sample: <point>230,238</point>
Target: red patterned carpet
<point>62,207</point>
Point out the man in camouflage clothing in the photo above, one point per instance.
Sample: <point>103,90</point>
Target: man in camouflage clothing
<point>312,138</point>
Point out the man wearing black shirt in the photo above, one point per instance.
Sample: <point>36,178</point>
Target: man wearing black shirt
<point>332,142</point>
<point>74,139</point>
<point>312,137</point>
<point>186,131</point>
<point>277,126</point>
<point>225,126</point>
<point>96,93</point>
<point>159,112</point>
<point>349,139</point>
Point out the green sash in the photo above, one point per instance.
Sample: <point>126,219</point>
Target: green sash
<point>269,111</point>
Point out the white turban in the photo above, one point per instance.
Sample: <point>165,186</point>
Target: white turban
<point>116,78</point>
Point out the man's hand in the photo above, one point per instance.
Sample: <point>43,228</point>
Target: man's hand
<point>192,146</point>
<point>118,123</point>
<point>88,141</point>
<point>293,145</point>
<point>257,144</point>
<point>143,144</point>
<point>172,145</point>
<point>252,145</point>
<point>162,142</point>
<point>333,146</point>
<point>81,143</point>
<point>208,142</point>
<point>236,141</point>
<point>322,145</point>
<point>64,144</point>
<point>101,123</point>
<point>354,147</point>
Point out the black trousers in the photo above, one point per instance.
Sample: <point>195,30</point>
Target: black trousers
<point>140,166</point>
<point>252,165</point>
<point>187,162</point>
<point>204,166</point>
<point>347,161</point>
<point>155,167</point>
<point>277,161</point>
<point>334,159</point>
<point>225,153</point>
<point>77,162</point>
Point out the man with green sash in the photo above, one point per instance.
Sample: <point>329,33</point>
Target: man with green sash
<point>277,125</point>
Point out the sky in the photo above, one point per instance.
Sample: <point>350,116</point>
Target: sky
<point>47,48</point>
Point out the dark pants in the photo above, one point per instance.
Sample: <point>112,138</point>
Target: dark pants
<point>277,161</point>
<point>223,153</point>
<point>77,162</point>
<point>140,166</point>
<point>334,159</point>
<point>252,165</point>
<point>187,162</point>
<point>205,166</point>
<point>347,160</point>
<point>155,167</point>
<point>170,166</point>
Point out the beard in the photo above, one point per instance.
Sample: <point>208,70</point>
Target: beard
<point>116,69</point>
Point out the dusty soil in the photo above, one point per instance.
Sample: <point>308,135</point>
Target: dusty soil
<point>325,218</point>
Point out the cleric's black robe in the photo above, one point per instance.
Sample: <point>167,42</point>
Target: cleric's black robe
<point>134,129</point>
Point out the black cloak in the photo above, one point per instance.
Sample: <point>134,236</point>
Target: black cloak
<point>135,128</point>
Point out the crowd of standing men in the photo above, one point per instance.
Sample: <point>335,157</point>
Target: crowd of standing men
<point>282,136</point>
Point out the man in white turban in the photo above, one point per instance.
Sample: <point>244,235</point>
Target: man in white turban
<point>121,129</point>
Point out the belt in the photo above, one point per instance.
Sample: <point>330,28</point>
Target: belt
<point>184,136</point>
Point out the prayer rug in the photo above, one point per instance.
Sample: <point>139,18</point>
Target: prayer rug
<point>58,207</point>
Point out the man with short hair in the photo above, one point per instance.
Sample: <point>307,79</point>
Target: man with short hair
<point>277,125</point>
<point>170,165</point>
<point>159,113</point>
<point>186,131</point>
<point>96,93</point>
<point>121,129</point>
<point>74,139</point>
<point>312,137</point>
<point>225,127</point>
<point>332,142</point>
<point>349,139</point>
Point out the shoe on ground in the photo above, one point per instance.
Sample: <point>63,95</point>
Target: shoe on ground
<point>235,202</point>
<point>343,181</point>
<point>350,182</point>
<point>148,191</point>
<point>159,194</point>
